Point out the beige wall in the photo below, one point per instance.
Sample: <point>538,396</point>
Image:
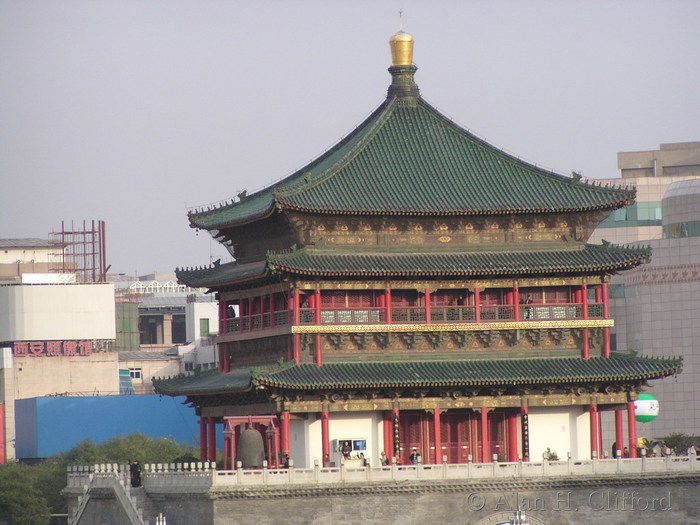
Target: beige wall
<point>57,312</point>
<point>150,369</point>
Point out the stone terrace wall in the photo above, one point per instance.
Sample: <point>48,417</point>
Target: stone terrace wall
<point>594,492</point>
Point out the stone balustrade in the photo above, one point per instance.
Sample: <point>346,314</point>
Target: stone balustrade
<point>203,476</point>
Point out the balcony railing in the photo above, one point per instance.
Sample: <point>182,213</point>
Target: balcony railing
<point>415,314</point>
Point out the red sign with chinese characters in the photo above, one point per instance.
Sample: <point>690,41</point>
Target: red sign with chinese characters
<point>51,348</point>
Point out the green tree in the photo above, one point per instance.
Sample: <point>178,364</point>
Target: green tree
<point>36,489</point>
<point>21,501</point>
<point>679,442</point>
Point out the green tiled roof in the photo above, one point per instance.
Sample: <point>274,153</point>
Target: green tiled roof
<point>430,374</point>
<point>400,263</point>
<point>409,159</point>
<point>582,258</point>
<point>220,274</point>
<point>209,382</point>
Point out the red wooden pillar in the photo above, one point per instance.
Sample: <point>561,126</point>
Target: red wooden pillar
<point>388,435</point>
<point>604,287</point>
<point>585,348</point>
<point>584,300</point>
<point>223,314</point>
<point>599,294</point>
<point>325,439</point>
<point>427,306</point>
<point>296,338</point>
<point>485,446</point>
<point>438,437</point>
<point>318,356</point>
<point>477,305</point>
<point>203,439</point>
<point>516,302</point>
<point>512,420</point>
<point>387,304</point>
<point>211,434</point>
<point>619,435</point>
<point>284,429</point>
<point>220,352</point>
<point>632,429</point>
<point>595,446</point>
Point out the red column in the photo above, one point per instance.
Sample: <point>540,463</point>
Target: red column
<point>296,306</point>
<point>388,439</point>
<point>211,431</point>
<point>427,306</point>
<point>585,348</point>
<point>325,439</point>
<point>632,429</point>
<point>317,305</point>
<point>387,304</point>
<point>223,314</point>
<point>438,437</point>
<point>516,303</point>
<point>220,352</point>
<point>584,300</point>
<point>605,300</point>
<point>284,429</point>
<point>595,447</point>
<point>485,447</point>
<point>477,305</point>
<point>619,435</point>
<point>512,420</point>
<point>203,439</point>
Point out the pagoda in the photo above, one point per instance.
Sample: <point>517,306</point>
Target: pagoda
<point>415,292</point>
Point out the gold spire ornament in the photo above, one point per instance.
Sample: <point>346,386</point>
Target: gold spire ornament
<point>401,49</point>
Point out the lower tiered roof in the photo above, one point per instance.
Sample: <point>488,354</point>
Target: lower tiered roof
<point>405,374</point>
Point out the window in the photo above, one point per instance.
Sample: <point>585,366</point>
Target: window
<point>135,373</point>
<point>204,327</point>
<point>189,366</point>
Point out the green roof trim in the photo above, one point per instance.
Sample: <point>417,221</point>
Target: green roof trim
<point>409,159</point>
<point>446,373</point>
<point>578,259</point>
<point>221,275</point>
<point>208,382</point>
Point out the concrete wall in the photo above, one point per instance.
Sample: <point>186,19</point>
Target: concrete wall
<point>564,430</point>
<point>57,312</point>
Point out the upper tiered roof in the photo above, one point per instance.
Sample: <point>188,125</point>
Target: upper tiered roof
<point>407,158</point>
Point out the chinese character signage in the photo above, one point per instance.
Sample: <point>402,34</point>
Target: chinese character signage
<point>51,348</point>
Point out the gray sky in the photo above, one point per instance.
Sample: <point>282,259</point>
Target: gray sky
<point>131,111</point>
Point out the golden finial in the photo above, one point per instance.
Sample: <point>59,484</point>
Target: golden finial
<point>401,46</point>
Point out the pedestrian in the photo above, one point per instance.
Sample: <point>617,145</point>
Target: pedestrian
<point>135,474</point>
